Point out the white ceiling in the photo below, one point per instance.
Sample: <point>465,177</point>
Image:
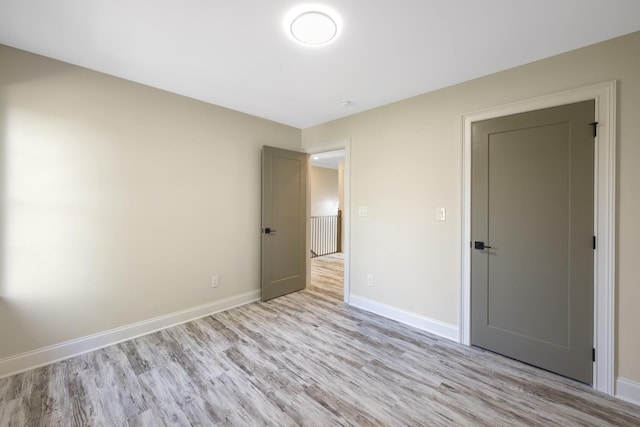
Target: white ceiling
<point>235,53</point>
<point>328,159</point>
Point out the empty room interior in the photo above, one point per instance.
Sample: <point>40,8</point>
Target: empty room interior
<point>338,213</point>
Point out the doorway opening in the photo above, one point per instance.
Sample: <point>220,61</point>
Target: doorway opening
<point>328,223</point>
<point>326,185</point>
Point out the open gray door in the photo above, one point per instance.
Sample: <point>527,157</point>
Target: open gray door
<point>284,216</point>
<point>532,238</point>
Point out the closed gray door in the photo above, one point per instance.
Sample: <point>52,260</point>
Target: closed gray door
<point>532,208</point>
<point>284,214</point>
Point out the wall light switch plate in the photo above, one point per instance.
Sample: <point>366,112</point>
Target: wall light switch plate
<point>363,211</point>
<point>441,215</point>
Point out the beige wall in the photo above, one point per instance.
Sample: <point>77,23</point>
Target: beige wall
<point>406,162</point>
<point>119,201</point>
<point>341,201</point>
<point>324,191</point>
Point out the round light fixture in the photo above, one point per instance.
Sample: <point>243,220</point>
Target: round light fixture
<point>312,25</point>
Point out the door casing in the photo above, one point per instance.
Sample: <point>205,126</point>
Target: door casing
<point>604,95</point>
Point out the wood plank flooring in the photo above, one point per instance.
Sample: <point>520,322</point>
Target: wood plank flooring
<point>303,359</point>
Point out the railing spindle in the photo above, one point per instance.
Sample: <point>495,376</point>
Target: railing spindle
<point>325,235</point>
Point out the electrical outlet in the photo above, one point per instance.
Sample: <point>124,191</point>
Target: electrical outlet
<point>370,280</point>
<point>215,281</point>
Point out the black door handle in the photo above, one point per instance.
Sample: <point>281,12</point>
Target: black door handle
<point>269,230</point>
<point>480,246</point>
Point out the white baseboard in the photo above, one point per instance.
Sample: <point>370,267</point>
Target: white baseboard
<point>47,355</point>
<point>426,324</point>
<point>628,390</point>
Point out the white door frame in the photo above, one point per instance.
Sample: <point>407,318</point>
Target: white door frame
<point>604,95</point>
<point>342,144</point>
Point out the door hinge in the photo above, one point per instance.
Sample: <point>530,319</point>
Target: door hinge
<point>593,354</point>
<point>595,128</point>
<point>594,242</point>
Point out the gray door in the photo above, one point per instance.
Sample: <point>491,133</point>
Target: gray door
<point>532,209</point>
<point>284,214</point>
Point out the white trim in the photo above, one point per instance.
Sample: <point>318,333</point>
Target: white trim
<point>604,95</point>
<point>342,144</point>
<point>54,353</point>
<point>628,390</point>
<point>432,326</point>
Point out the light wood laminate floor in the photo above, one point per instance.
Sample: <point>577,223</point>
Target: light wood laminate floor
<point>303,359</point>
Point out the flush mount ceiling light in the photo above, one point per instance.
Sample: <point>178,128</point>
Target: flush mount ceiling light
<point>312,25</point>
